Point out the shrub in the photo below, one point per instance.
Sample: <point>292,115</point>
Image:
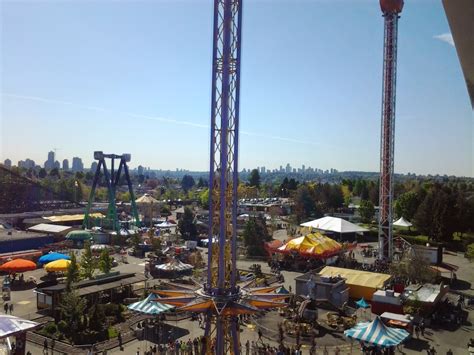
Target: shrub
<point>62,326</point>
<point>112,332</point>
<point>50,328</point>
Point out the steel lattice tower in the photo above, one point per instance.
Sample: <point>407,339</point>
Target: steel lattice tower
<point>390,10</point>
<point>221,299</point>
<point>223,178</point>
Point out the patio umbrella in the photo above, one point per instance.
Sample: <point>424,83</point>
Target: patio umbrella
<point>10,325</point>
<point>47,258</point>
<point>18,265</point>
<point>58,265</point>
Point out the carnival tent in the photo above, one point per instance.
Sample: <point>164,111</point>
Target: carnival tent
<point>175,265</point>
<point>378,334</point>
<point>334,224</point>
<point>57,266</point>
<point>402,222</point>
<point>362,303</point>
<point>10,325</point>
<point>146,199</point>
<point>47,258</point>
<point>316,245</point>
<point>150,306</point>
<point>18,265</point>
<point>360,283</point>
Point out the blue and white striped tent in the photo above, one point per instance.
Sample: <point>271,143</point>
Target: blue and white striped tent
<point>378,334</point>
<point>149,306</point>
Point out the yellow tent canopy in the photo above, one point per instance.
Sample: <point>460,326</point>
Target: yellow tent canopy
<point>360,283</point>
<point>312,244</point>
<point>58,265</point>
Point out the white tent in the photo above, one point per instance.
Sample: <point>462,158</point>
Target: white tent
<point>334,224</point>
<point>402,222</point>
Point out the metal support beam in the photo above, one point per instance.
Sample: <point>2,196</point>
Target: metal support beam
<point>387,136</point>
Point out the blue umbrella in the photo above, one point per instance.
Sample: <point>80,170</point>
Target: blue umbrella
<point>362,303</point>
<point>47,258</point>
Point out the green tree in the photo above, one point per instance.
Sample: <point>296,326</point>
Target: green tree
<point>54,173</point>
<point>204,199</point>
<point>42,173</point>
<point>72,309</point>
<point>187,182</point>
<point>254,178</point>
<point>366,211</point>
<point>406,205</point>
<point>436,215</point>
<point>105,262</point>
<point>88,264</point>
<point>202,183</point>
<point>255,234</point>
<point>305,205</point>
<point>73,274</point>
<point>187,225</point>
<point>97,319</point>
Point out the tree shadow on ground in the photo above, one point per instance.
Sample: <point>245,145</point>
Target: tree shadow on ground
<point>460,285</point>
<point>417,344</point>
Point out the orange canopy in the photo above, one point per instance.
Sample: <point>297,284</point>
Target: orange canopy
<point>18,265</point>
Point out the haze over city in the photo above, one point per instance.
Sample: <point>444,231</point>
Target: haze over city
<point>135,77</point>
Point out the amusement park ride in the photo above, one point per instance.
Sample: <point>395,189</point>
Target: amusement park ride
<point>221,299</point>
<point>112,180</point>
<point>390,10</point>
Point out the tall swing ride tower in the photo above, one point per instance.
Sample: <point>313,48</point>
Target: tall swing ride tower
<point>221,299</point>
<point>391,10</point>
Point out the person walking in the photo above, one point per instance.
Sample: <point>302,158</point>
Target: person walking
<point>11,308</point>
<point>247,347</point>
<point>5,307</point>
<point>53,343</point>
<point>45,346</point>
<point>422,328</point>
<point>417,331</point>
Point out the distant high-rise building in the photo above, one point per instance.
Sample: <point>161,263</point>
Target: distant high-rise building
<point>77,164</point>
<point>49,164</point>
<point>140,170</point>
<point>65,164</point>
<point>302,168</point>
<point>57,165</point>
<point>288,168</point>
<point>294,170</point>
<point>26,164</point>
<point>281,168</point>
<point>94,166</point>
<point>263,170</point>
<point>7,163</point>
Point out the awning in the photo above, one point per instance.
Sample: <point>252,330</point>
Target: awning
<point>73,217</point>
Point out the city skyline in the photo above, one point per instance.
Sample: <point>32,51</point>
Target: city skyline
<point>118,94</point>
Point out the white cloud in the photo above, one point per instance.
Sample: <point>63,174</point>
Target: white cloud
<point>445,37</point>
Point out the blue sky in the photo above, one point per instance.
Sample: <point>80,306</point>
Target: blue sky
<point>135,76</point>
